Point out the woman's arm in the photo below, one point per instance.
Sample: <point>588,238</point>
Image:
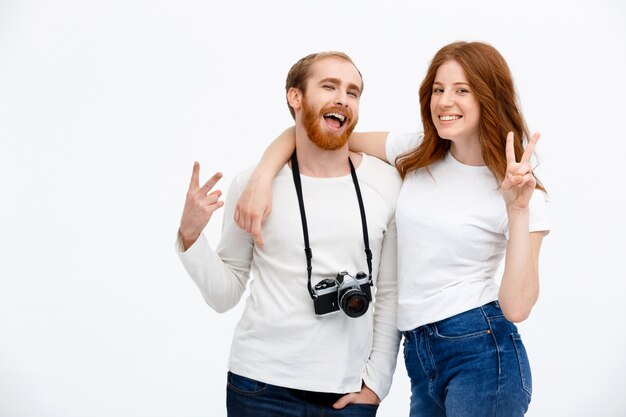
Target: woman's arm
<point>371,143</point>
<point>255,202</point>
<point>519,289</point>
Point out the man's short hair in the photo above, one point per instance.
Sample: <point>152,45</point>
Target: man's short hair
<point>301,71</point>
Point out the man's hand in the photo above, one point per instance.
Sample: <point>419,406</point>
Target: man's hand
<point>365,396</point>
<point>199,206</point>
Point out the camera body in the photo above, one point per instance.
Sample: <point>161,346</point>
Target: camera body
<point>350,294</point>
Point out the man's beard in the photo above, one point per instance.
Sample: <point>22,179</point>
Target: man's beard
<point>325,140</point>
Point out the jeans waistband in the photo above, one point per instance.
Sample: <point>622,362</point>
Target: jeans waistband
<point>489,310</point>
<point>492,309</point>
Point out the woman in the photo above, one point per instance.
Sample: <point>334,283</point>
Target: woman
<point>466,203</point>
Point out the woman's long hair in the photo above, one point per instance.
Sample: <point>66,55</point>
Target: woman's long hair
<point>490,79</point>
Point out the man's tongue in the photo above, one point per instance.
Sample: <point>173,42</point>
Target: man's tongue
<point>334,123</point>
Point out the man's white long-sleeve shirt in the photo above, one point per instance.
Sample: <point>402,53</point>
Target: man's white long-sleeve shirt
<point>279,339</point>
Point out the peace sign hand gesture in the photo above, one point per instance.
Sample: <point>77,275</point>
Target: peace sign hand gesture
<point>519,181</point>
<point>199,206</point>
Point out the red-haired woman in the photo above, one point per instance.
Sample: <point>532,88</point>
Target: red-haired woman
<point>468,200</point>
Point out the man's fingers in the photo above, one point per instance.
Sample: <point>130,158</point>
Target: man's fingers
<point>195,176</point>
<point>216,206</point>
<point>211,182</point>
<point>510,148</point>
<point>530,148</point>
<point>214,197</point>
<point>343,401</point>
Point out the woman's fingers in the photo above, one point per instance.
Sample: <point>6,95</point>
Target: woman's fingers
<point>530,148</point>
<point>510,149</point>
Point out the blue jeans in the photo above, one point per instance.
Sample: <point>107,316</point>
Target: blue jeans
<point>246,397</point>
<point>473,364</point>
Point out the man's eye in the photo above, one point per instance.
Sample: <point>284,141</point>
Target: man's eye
<point>328,87</point>
<point>353,94</point>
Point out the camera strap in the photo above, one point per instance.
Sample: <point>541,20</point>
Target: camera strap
<point>295,170</point>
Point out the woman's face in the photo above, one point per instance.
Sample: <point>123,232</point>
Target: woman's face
<point>454,107</point>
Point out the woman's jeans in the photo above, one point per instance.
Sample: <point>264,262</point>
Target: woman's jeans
<point>473,364</point>
<point>247,397</point>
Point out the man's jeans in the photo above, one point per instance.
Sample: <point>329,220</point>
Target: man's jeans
<point>246,397</point>
<point>473,364</point>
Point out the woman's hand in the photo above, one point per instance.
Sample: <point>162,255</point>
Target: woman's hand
<point>254,205</point>
<point>519,182</point>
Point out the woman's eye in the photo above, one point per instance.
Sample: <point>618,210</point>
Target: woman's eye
<point>462,90</point>
<point>437,90</point>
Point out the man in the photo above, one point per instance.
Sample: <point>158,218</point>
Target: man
<point>292,355</point>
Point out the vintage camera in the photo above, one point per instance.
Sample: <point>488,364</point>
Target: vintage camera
<point>350,294</point>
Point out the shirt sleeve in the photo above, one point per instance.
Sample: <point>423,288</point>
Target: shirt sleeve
<point>537,214</point>
<point>221,275</point>
<point>399,143</point>
<point>381,364</point>
<point>538,220</point>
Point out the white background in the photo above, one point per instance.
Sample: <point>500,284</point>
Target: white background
<point>104,106</point>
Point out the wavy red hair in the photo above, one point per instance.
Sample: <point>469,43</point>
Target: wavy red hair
<point>492,83</point>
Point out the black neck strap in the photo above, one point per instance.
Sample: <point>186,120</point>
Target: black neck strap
<point>307,250</point>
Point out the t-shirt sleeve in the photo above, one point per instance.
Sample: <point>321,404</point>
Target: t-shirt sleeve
<point>399,143</point>
<point>538,213</point>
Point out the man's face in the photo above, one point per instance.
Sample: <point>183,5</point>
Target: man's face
<point>330,107</point>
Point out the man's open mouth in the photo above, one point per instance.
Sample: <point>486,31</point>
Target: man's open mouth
<point>336,120</point>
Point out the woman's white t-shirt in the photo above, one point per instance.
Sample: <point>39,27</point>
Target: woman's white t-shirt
<point>452,232</point>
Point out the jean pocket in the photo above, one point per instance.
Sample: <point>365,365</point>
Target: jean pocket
<point>372,406</point>
<point>361,410</point>
<point>524,364</point>
<point>245,386</point>
<point>469,324</point>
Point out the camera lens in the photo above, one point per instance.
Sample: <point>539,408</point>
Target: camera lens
<point>353,302</point>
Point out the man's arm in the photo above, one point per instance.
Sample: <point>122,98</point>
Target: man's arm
<point>381,364</point>
<point>220,275</point>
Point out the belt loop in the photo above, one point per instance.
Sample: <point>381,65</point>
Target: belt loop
<point>496,304</point>
<point>410,335</point>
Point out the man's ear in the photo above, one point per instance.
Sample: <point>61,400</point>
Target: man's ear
<point>294,97</point>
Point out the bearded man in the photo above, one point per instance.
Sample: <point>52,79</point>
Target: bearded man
<point>318,333</point>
